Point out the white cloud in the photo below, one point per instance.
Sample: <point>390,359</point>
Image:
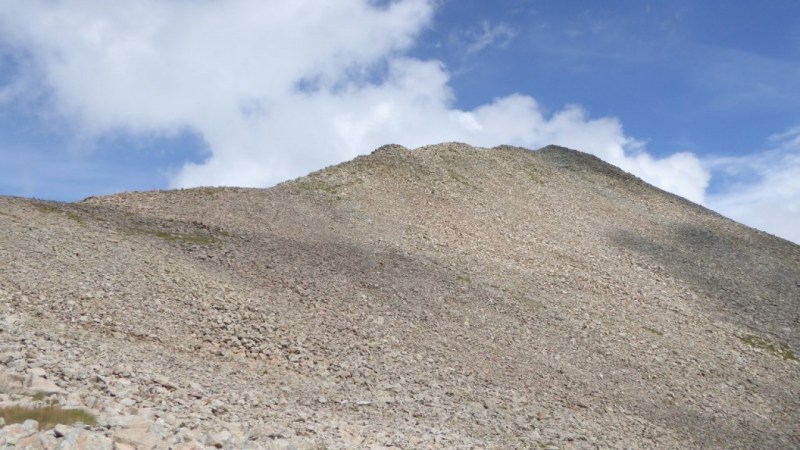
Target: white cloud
<point>277,89</point>
<point>490,34</point>
<point>763,189</point>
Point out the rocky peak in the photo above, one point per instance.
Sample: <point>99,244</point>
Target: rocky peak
<point>442,297</point>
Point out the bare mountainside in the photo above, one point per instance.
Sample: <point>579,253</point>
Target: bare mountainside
<point>446,297</point>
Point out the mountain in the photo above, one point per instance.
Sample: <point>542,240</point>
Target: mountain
<point>445,297</point>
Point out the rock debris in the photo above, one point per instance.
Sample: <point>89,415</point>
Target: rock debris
<point>445,297</point>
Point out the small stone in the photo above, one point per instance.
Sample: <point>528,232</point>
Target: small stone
<point>38,372</point>
<point>191,445</point>
<point>18,365</point>
<point>86,439</point>
<point>158,428</point>
<point>92,402</point>
<point>219,440</point>
<point>62,430</point>
<point>394,388</point>
<point>6,358</point>
<point>136,436</point>
<point>127,402</point>
<point>11,382</point>
<point>43,385</point>
<point>31,425</point>
<point>121,370</point>
<point>218,408</point>
<point>163,381</point>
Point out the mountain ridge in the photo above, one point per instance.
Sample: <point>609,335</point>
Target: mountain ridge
<point>458,296</point>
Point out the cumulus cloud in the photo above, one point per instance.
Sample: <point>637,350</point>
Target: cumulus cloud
<point>277,89</point>
<point>763,189</point>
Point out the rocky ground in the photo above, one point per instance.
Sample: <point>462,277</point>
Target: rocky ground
<point>447,297</point>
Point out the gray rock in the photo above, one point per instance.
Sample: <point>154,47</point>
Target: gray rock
<point>12,434</point>
<point>79,439</point>
<point>62,430</point>
<point>219,439</point>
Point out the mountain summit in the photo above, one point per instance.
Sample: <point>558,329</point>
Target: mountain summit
<point>445,297</point>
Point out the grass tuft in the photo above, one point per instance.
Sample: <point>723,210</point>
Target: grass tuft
<point>48,208</point>
<point>190,238</point>
<point>462,180</point>
<point>778,349</point>
<point>48,416</point>
<point>457,177</point>
<point>535,176</point>
<point>316,185</point>
<point>74,216</point>
<point>653,330</point>
<point>200,239</point>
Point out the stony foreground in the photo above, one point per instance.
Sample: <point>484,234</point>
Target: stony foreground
<point>447,297</point>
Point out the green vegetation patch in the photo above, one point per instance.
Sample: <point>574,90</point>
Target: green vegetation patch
<point>458,177</point>
<point>535,176</point>
<point>524,298</point>
<point>207,191</point>
<point>462,179</point>
<point>654,331</point>
<point>48,208</point>
<point>74,216</point>
<point>318,185</point>
<point>48,416</point>
<point>199,239</point>
<point>328,187</point>
<point>189,238</point>
<point>778,349</point>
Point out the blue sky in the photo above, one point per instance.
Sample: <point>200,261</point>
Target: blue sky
<point>701,98</point>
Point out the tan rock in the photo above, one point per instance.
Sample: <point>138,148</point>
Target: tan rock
<point>11,434</point>
<point>43,385</point>
<point>191,445</point>
<point>85,440</point>
<point>137,437</point>
<point>33,442</point>
<point>61,430</point>
<point>10,383</point>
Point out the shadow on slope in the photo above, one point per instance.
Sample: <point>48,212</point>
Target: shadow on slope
<point>752,282</point>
